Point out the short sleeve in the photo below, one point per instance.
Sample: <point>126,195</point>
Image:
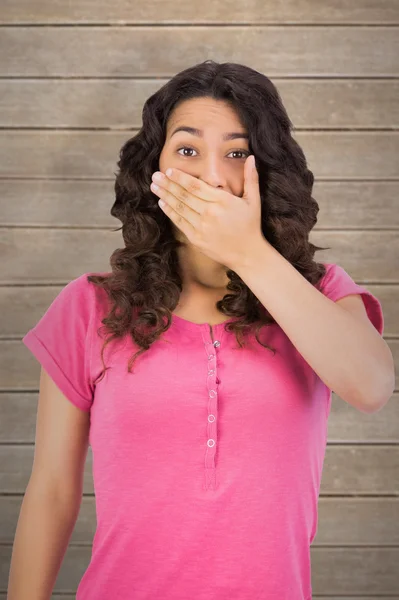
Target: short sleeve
<point>337,284</point>
<point>61,341</point>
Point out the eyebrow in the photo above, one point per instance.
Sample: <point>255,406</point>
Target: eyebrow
<point>226,137</point>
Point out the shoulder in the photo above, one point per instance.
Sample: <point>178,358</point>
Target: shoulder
<point>337,283</point>
<point>83,299</point>
<point>82,287</point>
<point>333,276</point>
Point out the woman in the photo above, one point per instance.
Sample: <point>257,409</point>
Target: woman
<point>206,404</point>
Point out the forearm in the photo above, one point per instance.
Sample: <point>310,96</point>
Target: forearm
<point>43,531</point>
<point>350,357</point>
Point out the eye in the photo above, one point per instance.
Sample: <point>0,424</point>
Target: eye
<point>246,154</point>
<point>242,152</point>
<point>185,148</point>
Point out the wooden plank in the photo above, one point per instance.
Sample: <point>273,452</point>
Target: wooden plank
<point>230,11</point>
<point>75,203</point>
<point>341,521</point>
<point>361,470</point>
<point>348,470</point>
<point>343,204</point>
<point>345,423</point>
<point>353,204</point>
<point>72,597</point>
<point>163,51</point>
<point>315,597</point>
<point>355,251</point>
<point>358,522</point>
<point>25,305</point>
<point>55,256</point>
<point>83,155</point>
<point>98,247</point>
<point>345,571</point>
<point>341,571</point>
<point>118,103</point>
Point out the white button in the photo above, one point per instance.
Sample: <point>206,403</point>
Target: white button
<point>211,443</point>
<point>211,418</point>
<point>212,394</point>
<point>210,356</point>
<point>216,344</point>
<point>211,372</point>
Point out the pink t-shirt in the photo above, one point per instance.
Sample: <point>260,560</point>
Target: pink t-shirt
<point>207,460</point>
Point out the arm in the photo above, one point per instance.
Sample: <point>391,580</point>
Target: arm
<point>345,350</point>
<point>53,496</point>
<point>42,535</point>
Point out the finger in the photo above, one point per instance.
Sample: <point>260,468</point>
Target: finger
<point>175,190</point>
<point>196,187</point>
<point>185,226</point>
<point>186,197</point>
<point>251,179</point>
<point>177,205</point>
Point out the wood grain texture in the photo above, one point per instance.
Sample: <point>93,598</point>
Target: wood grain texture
<point>163,51</point>
<point>336,66</point>
<point>20,371</point>
<point>178,11</point>
<point>341,521</point>
<point>117,103</point>
<point>3,596</point>
<point>56,256</point>
<point>83,155</point>
<point>348,470</point>
<point>87,203</point>
<point>25,305</point>
<point>341,571</point>
<point>345,424</point>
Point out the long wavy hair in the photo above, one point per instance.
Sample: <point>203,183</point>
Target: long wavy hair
<point>145,283</point>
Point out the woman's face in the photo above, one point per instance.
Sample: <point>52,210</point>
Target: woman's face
<point>205,154</point>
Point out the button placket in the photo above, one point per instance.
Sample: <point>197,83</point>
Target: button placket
<point>212,407</point>
<point>212,389</point>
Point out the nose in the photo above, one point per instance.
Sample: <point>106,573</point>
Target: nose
<point>213,172</point>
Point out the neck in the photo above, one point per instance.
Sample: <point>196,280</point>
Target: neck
<point>199,272</point>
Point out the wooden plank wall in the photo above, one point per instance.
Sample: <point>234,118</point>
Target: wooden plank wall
<point>73,78</point>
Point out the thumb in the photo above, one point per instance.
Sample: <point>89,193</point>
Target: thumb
<point>251,179</point>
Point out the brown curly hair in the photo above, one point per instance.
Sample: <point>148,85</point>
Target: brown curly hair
<point>145,283</point>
